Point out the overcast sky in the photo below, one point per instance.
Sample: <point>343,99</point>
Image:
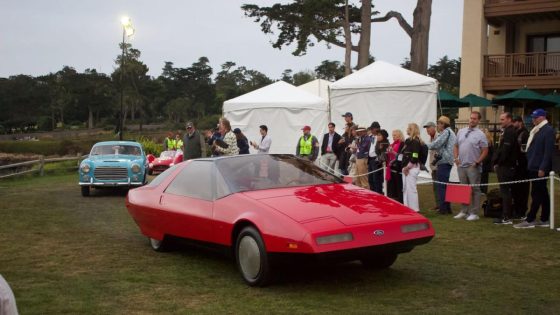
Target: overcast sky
<point>38,37</point>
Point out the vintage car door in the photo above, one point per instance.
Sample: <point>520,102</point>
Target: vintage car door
<point>187,202</point>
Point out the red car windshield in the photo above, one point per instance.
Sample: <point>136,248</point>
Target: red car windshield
<point>263,171</point>
<point>167,154</point>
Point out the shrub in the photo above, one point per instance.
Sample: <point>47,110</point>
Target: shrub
<point>150,146</point>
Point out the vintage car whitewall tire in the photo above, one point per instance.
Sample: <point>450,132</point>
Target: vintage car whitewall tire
<point>251,257</point>
<point>380,261</point>
<point>85,191</point>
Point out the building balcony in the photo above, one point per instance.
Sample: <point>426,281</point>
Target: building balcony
<point>498,12</point>
<point>514,71</point>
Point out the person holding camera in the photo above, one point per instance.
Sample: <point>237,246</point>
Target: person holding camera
<point>443,159</point>
<point>411,166</point>
<point>469,152</point>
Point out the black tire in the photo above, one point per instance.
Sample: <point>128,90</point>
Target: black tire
<point>251,258</point>
<point>85,191</point>
<point>159,246</point>
<point>381,261</point>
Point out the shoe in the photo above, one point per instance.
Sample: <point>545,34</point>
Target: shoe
<point>504,221</point>
<point>540,223</point>
<point>473,217</point>
<point>461,215</point>
<point>436,208</point>
<point>524,225</point>
<point>442,212</point>
<point>520,218</point>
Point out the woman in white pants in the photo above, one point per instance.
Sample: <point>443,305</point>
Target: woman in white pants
<point>410,159</point>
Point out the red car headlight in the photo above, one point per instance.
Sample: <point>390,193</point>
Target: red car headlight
<point>408,228</point>
<point>335,238</point>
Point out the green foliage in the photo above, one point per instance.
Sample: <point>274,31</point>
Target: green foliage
<point>48,147</point>
<point>330,70</point>
<point>150,146</point>
<point>207,122</point>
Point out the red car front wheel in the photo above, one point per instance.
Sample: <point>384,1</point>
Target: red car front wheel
<point>251,257</point>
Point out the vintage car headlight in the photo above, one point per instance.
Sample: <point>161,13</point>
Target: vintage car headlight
<point>336,238</point>
<point>135,168</point>
<point>408,228</point>
<point>84,168</point>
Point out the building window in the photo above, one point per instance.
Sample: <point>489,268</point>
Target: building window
<point>543,43</point>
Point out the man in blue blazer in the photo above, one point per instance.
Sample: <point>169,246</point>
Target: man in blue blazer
<point>540,150</point>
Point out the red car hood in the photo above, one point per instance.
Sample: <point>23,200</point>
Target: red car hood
<point>347,203</point>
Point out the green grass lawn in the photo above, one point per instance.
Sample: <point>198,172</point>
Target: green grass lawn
<point>65,254</point>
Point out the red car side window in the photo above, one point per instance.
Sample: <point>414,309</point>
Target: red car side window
<point>195,181</point>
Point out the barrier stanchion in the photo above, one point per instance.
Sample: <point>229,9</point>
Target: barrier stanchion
<point>384,180</point>
<point>552,200</point>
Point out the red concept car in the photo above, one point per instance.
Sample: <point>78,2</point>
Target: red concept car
<point>265,208</point>
<point>165,160</point>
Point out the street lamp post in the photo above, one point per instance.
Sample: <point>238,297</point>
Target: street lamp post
<point>128,30</point>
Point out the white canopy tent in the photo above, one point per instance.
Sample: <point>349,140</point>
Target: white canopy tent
<point>386,93</point>
<point>318,87</point>
<point>284,109</point>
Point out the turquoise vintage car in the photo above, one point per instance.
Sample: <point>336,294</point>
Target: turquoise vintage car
<point>113,164</point>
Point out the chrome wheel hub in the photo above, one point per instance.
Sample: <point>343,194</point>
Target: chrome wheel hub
<point>155,243</point>
<point>249,257</point>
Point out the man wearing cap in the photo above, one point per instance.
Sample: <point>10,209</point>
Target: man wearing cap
<point>193,143</point>
<point>504,161</point>
<point>432,133</point>
<point>521,190</point>
<point>330,147</point>
<point>443,159</point>
<point>362,155</point>
<point>375,180</point>
<point>349,120</point>
<point>469,151</point>
<point>308,145</point>
<point>540,149</point>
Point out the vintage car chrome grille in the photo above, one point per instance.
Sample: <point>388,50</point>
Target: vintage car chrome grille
<point>110,173</point>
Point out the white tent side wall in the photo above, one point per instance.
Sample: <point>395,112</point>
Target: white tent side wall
<point>393,109</point>
<point>284,125</point>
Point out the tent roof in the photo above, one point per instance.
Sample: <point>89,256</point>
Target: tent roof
<point>383,74</point>
<point>318,87</point>
<point>276,95</point>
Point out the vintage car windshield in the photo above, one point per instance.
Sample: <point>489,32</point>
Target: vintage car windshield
<point>263,171</point>
<point>167,154</point>
<point>115,149</point>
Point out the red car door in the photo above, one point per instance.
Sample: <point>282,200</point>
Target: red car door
<point>187,202</point>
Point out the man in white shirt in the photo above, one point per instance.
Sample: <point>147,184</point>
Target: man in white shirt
<point>265,143</point>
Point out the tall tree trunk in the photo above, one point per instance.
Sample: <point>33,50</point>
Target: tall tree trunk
<point>365,36</point>
<point>132,110</point>
<point>348,42</point>
<point>420,37</point>
<point>53,119</point>
<point>90,118</point>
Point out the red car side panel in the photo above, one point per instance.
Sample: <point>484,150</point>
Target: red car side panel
<point>186,217</point>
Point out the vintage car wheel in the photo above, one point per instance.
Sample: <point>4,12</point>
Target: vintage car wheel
<point>251,257</point>
<point>85,191</point>
<point>381,261</point>
<point>159,246</point>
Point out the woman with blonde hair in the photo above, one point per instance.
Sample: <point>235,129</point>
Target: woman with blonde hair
<point>394,167</point>
<point>411,167</point>
<point>229,143</point>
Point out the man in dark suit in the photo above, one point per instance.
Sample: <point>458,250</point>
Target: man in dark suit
<point>540,149</point>
<point>330,148</point>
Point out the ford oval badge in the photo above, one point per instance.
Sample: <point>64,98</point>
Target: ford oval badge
<point>378,232</point>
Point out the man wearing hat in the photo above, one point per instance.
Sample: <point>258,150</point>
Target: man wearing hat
<point>431,131</point>
<point>308,145</point>
<point>540,149</point>
<point>349,119</point>
<point>443,159</point>
<point>362,155</point>
<point>193,143</point>
<point>375,179</point>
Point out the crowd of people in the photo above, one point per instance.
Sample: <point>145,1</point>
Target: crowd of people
<point>363,153</point>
